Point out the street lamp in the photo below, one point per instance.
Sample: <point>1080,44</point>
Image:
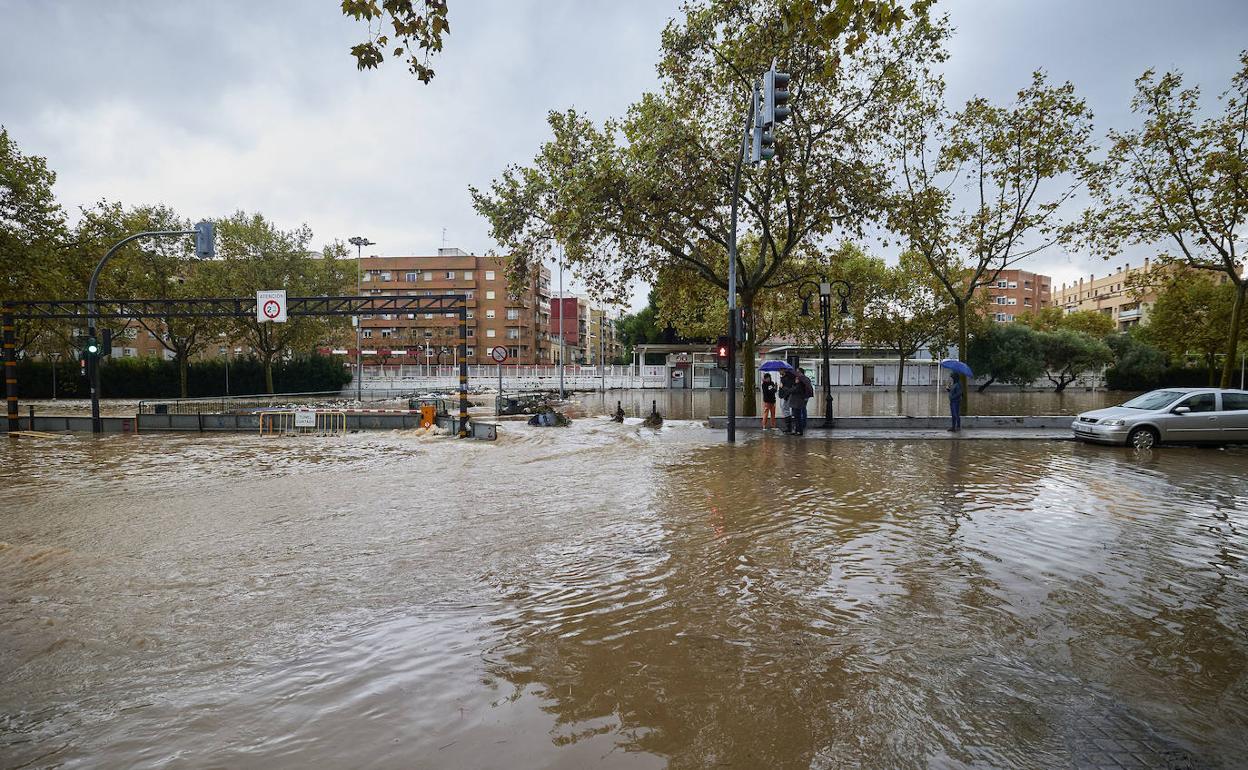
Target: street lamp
<point>806,290</point>
<point>359,243</point>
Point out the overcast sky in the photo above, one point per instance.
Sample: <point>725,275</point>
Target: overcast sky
<point>216,106</point>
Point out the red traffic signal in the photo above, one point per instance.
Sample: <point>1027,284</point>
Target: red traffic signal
<point>721,353</point>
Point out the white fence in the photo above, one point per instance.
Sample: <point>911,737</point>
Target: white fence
<point>697,376</point>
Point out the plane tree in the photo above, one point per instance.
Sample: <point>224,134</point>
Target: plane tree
<point>649,192</point>
<point>979,189</point>
<point>1179,181</point>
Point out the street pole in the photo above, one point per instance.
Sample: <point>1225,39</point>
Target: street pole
<point>825,311</point>
<point>93,359</point>
<point>732,273</point>
<point>227,373</point>
<point>562,312</point>
<point>56,357</point>
<point>359,242</point>
<point>602,329</point>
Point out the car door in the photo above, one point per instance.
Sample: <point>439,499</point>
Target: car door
<point>1198,424</point>
<point>1234,417</point>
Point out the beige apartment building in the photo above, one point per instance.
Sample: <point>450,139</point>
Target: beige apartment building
<point>520,323</point>
<point>1015,292</point>
<point>1109,295</point>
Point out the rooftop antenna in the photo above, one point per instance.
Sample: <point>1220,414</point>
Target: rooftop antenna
<point>444,237</point>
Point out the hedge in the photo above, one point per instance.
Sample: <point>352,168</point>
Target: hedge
<point>1171,377</point>
<point>157,378</point>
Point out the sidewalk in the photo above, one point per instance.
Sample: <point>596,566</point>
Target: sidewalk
<point>926,434</point>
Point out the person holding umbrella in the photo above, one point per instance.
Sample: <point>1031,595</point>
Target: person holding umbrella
<point>954,387</point>
<point>786,387</point>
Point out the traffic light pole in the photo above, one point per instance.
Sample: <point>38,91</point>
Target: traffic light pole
<point>732,272</point>
<point>93,359</point>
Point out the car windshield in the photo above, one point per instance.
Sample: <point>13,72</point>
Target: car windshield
<point>1155,400</point>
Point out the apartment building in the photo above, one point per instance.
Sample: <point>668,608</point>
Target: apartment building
<point>1110,295</point>
<point>520,323</point>
<point>588,331</point>
<point>604,341</point>
<point>1015,292</point>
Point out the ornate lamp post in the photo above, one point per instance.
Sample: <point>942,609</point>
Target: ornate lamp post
<point>806,290</point>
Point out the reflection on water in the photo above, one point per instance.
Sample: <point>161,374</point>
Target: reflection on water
<point>612,595</point>
<point>846,402</point>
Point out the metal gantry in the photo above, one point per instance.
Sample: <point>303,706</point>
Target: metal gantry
<point>224,307</point>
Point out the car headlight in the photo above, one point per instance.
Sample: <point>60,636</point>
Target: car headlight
<point>1112,423</point>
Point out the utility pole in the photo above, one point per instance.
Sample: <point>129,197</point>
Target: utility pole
<point>562,311</point>
<point>359,243</point>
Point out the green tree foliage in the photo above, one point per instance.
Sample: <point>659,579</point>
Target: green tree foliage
<point>1179,181</point>
<point>904,309</point>
<point>415,30</point>
<point>1190,317</point>
<point>1066,354</point>
<point>32,230</point>
<point>1049,319</point>
<point>980,189</point>
<point>253,255</point>
<point>162,267</point>
<point>1137,364</point>
<point>1008,353</point>
<point>651,191</point>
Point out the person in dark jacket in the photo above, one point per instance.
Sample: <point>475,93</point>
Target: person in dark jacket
<point>769,400</point>
<point>955,403</point>
<point>787,381</point>
<point>802,391</point>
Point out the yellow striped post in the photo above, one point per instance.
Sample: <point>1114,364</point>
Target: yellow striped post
<point>10,369</point>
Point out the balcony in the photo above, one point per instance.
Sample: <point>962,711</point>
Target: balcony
<point>1128,315</point>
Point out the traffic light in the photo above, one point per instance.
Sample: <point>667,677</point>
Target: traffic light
<point>92,348</point>
<point>205,240</point>
<point>721,353</point>
<point>106,343</point>
<point>775,97</point>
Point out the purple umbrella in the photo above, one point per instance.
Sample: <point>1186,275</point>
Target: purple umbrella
<point>775,366</point>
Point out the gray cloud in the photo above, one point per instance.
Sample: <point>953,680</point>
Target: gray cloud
<point>212,107</point>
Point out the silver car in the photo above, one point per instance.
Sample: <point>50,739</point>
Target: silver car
<point>1181,415</point>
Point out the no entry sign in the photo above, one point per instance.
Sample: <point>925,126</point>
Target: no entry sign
<point>271,306</point>
<point>499,353</point>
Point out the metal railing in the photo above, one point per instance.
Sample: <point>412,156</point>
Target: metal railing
<point>235,404</point>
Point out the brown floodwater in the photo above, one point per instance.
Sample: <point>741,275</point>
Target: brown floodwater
<point>613,596</point>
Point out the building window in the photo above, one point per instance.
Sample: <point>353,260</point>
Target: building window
<point>1027,301</point>
<point>1013,284</point>
<point>489,294</point>
<point>428,333</point>
<point>467,275</point>
<point>468,295</point>
<point>368,276</point>
<point>1011,301</point>
<point>368,333</point>
<point>489,313</point>
<point>489,332</point>
<point>1000,316</point>
<point>410,277</point>
<point>489,275</point>
<point>385,276</point>
<point>428,275</point>
<point>469,315</point>
<point>472,352</point>
<point>1003,284</point>
<point>385,334</point>
<point>513,334</point>
<point>472,333</point>
<point>450,332</point>
<point>512,314</point>
<point>1000,300</point>
<point>411,316</point>
<point>428,315</point>
<point>450,275</point>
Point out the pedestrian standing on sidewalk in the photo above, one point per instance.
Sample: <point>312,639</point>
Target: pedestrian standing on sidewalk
<point>802,392</point>
<point>787,381</point>
<point>769,400</point>
<point>955,404</point>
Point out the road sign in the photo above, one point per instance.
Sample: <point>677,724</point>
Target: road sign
<point>499,353</point>
<point>271,306</point>
<point>305,418</point>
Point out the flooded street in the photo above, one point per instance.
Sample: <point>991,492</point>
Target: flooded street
<point>612,596</point>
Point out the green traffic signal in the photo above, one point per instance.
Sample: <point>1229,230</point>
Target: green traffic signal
<point>93,347</point>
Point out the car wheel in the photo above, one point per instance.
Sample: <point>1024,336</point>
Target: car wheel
<point>1142,438</point>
